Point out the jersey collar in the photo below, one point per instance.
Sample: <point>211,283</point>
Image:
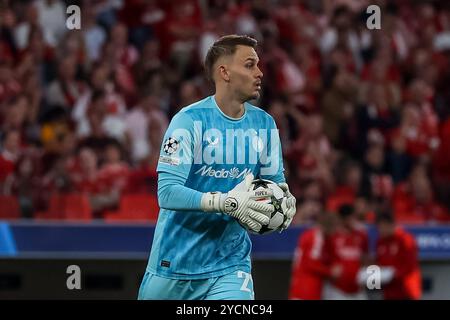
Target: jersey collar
<point>228,117</point>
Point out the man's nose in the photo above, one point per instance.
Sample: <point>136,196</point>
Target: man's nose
<point>259,73</point>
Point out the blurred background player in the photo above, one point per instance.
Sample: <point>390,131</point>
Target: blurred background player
<point>397,248</point>
<point>201,248</point>
<point>350,248</point>
<point>312,261</point>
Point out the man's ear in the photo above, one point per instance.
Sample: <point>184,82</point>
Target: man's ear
<point>224,74</point>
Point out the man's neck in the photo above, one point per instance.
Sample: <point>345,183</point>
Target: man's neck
<point>230,106</point>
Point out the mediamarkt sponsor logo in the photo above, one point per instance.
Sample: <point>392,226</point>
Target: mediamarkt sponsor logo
<point>233,173</point>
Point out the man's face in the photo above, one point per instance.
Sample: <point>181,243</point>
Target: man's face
<point>244,73</point>
<point>12,142</point>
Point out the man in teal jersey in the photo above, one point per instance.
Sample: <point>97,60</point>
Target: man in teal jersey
<point>209,157</point>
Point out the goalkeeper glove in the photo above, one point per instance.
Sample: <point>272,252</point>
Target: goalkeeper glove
<point>241,203</point>
<point>290,205</point>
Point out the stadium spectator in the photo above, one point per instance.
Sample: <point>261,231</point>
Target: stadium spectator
<point>15,114</point>
<point>84,174</point>
<point>113,173</point>
<point>145,125</point>
<point>9,85</point>
<point>94,36</point>
<point>314,153</point>
<point>376,118</point>
<point>396,248</point>
<point>440,171</point>
<point>310,202</point>
<point>312,261</point>
<point>338,104</point>
<point>66,89</point>
<point>183,25</point>
<point>419,124</point>
<point>348,177</point>
<point>51,17</point>
<point>350,250</point>
<point>414,200</point>
<point>148,63</point>
<point>86,177</point>
<point>10,153</point>
<point>23,28</point>
<point>23,182</point>
<point>376,185</point>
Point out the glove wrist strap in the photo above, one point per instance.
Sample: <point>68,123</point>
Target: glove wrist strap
<point>212,201</point>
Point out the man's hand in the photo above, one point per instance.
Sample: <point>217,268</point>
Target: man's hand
<point>290,205</point>
<point>241,203</point>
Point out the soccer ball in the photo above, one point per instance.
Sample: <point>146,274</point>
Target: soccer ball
<point>278,200</point>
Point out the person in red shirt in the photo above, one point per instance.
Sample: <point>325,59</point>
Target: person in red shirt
<point>311,265</point>
<point>348,182</point>
<point>113,174</point>
<point>397,248</point>
<point>9,154</point>
<point>441,164</point>
<point>414,200</point>
<point>85,178</point>
<point>84,173</point>
<point>418,132</point>
<point>350,247</point>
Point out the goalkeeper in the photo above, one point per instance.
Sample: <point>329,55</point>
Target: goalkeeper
<point>210,154</point>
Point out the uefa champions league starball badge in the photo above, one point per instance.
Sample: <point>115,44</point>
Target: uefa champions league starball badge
<point>170,145</point>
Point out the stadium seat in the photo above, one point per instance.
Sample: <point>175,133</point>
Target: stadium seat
<point>77,207</point>
<point>71,206</point>
<point>135,207</point>
<point>9,207</point>
<point>55,208</point>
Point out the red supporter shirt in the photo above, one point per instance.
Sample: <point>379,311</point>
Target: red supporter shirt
<point>114,176</point>
<point>423,138</point>
<point>400,252</point>
<point>408,210</point>
<point>441,159</point>
<point>342,195</point>
<point>7,165</point>
<point>349,247</point>
<point>83,182</point>
<point>142,179</point>
<point>90,184</point>
<point>310,266</point>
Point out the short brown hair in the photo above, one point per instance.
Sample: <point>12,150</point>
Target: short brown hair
<point>225,46</point>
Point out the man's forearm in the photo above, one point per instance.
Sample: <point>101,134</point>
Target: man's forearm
<point>173,195</point>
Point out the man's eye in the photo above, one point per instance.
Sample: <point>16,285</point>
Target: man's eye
<point>249,65</point>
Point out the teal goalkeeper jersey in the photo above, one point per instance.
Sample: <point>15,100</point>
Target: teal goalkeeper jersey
<point>211,152</point>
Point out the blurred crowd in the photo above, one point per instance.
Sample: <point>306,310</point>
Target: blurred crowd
<point>363,114</point>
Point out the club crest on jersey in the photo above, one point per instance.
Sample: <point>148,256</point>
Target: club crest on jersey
<point>170,145</point>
